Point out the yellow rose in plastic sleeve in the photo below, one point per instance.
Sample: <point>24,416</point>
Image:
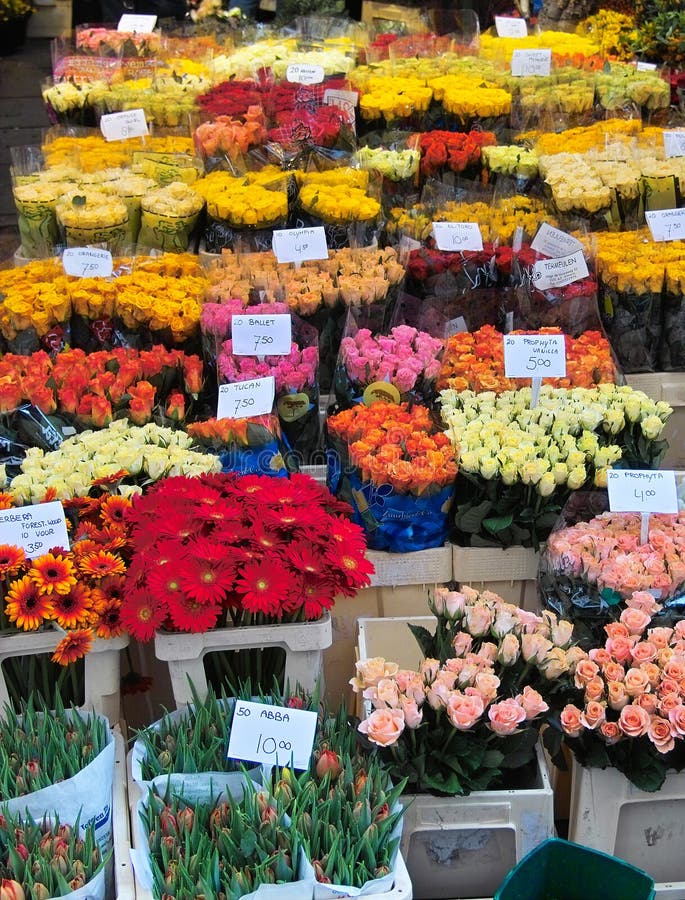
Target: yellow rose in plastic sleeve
<point>651,427</point>
<point>614,421</point>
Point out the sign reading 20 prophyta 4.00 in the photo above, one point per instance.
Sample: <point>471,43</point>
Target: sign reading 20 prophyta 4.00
<point>261,335</point>
<point>534,355</point>
<point>36,528</point>
<point>272,735</point>
<point>642,491</point>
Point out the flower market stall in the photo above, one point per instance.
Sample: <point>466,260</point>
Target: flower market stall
<point>341,427</point>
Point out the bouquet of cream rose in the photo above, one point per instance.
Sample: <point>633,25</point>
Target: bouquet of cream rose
<point>474,709</point>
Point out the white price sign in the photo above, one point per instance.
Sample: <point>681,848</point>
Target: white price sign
<point>550,241</point>
<point>645,67</point>
<point>507,26</point>
<point>531,62</point>
<point>299,73</point>
<point>344,100</point>
<point>674,143</point>
<point>666,224</point>
<point>456,236</point>
<point>246,398</point>
<point>137,24</point>
<point>87,262</point>
<point>534,355</point>
<point>36,529</point>
<point>456,326</point>
<point>296,245</point>
<point>123,125</point>
<point>555,273</point>
<point>272,735</point>
<point>637,490</point>
<point>261,335</point>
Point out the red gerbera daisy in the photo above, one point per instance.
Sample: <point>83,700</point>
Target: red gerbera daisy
<point>206,582</point>
<point>141,615</point>
<point>74,609</point>
<point>74,646</point>
<point>189,615</point>
<point>26,605</point>
<point>347,534</point>
<point>353,570</point>
<point>264,584</point>
<point>11,560</point>
<point>266,538</point>
<point>306,558</point>
<point>164,581</point>
<point>176,525</point>
<point>207,549</point>
<point>100,564</point>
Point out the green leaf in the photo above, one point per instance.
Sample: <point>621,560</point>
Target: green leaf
<point>424,639</point>
<point>78,200</point>
<point>471,519</point>
<point>611,597</point>
<point>248,843</point>
<point>498,523</point>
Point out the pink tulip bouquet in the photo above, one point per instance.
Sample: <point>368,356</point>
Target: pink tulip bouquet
<point>472,712</point>
<point>628,708</point>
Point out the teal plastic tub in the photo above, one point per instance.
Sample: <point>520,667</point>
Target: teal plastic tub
<point>561,870</point>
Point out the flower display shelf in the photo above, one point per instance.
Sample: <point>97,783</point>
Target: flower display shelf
<point>423,567</point>
<point>511,573</point>
<point>465,846</point>
<point>303,644</point>
<point>102,667</point>
<point>391,638</point>
<point>668,386</point>
<point>124,881</point>
<point>610,814</point>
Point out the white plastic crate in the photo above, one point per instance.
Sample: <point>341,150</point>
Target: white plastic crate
<point>124,880</point>
<point>609,813</point>
<point>402,889</point>
<point>511,573</point>
<point>668,386</point>
<point>102,667</point>
<point>465,846</point>
<point>303,644</point>
<point>424,567</point>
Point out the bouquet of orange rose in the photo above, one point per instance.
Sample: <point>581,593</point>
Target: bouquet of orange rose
<point>471,714</point>
<point>397,471</point>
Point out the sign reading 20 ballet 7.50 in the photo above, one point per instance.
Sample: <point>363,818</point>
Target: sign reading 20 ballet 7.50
<point>272,735</point>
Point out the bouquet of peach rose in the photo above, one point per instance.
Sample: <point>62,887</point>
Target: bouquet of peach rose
<point>628,707</point>
<point>469,718</point>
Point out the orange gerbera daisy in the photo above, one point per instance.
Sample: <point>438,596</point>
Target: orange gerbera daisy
<point>74,646</point>
<point>6,501</point>
<point>11,559</point>
<point>73,610</point>
<point>113,509</point>
<point>110,479</point>
<point>101,564</point>
<point>53,573</point>
<point>27,606</point>
<point>108,623</point>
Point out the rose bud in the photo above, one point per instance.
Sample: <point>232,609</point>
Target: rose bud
<point>328,762</point>
<point>11,890</point>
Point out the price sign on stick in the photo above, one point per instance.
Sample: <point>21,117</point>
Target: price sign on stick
<point>554,273</point>
<point>456,236</point>
<point>246,398</point>
<point>297,245</point>
<point>550,241</point>
<point>508,26</point>
<point>36,529</point>
<point>535,356</point>
<point>643,491</point>
<point>261,335</point>
<point>124,125</point>
<point>531,62</point>
<point>674,143</point>
<point>137,24</point>
<point>87,262</point>
<point>272,735</point>
<point>666,224</point>
<point>300,73</point>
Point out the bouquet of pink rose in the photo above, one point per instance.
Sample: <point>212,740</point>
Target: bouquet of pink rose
<point>628,707</point>
<point>474,709</point>
<point>404,363</point>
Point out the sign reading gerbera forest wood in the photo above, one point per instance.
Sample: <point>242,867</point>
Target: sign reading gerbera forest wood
<point>36,529</point>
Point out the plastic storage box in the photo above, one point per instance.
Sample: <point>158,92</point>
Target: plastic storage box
<point>562,870</point>
<point>511,573</point>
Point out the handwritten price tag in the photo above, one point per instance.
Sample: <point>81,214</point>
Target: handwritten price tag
<point>674,143</point>
<point>346,101</point>
<point>457,236</point>
<point>87,262</point>
<point>299,73</point>
<point>531,62</point>
<point>137,24</point>
<point>645,67</point>
<point>246,398</point>
<point>36,529</point>
<point>635,490</point>
<point>534,356</point>
<point>666,224</point>
<point>555,273</point>
<point>124,125</point>
<point>455,326</point>
<point>272,735</point>
<point>296,245</point>
<point>261,335</point>
<point>550,241</point>
<point>507,26</point>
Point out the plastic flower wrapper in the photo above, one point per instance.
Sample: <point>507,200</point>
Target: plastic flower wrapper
<point>231,136</point>
<point>168,218</point>
<point>627,709</point>
<point>401,364</point>
<point>397,472</point>
<point>242,211</point>
<point>471,103</point>
<point>296,378</point>
<point>595,562</point>
<point>101,40</point>
<point>578,194</point>
<point>511,161</point>
<point>35,197</point>
<point>87,217</point>
<point>470,717</point>
<point>450,151</point>
<point>299,116</point>
<point>519,465</point>
<point>251,446</point>
<point>35,311</point>
<point>395,156</point>
<point>131,189</point>
<point>563,98</point>
<point>621,86</point>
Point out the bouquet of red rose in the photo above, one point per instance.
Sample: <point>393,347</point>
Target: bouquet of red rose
<point>226,549</point>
